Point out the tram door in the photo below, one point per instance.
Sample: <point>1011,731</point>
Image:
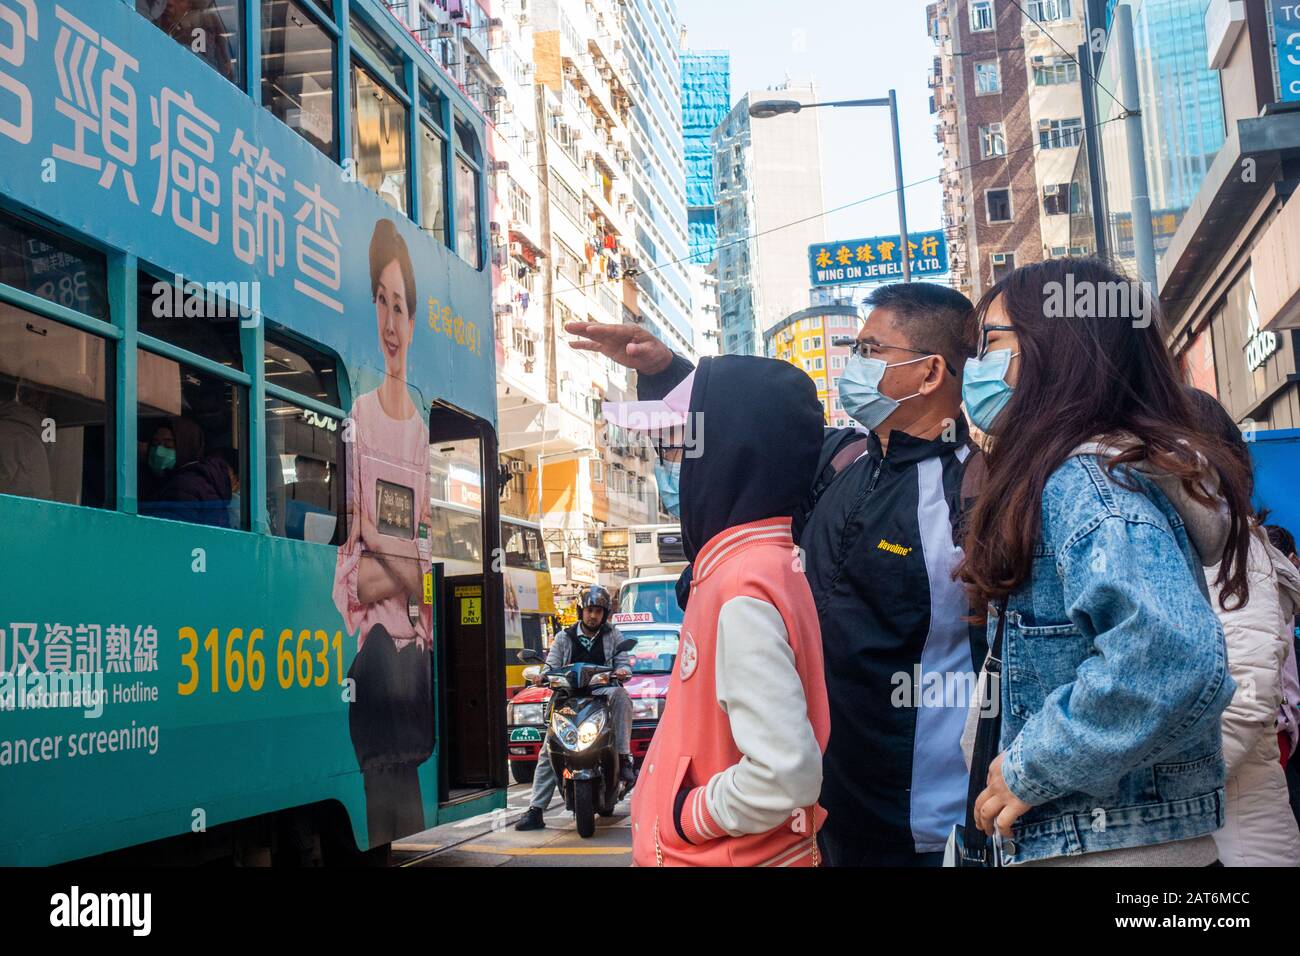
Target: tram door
<point>468,666</point>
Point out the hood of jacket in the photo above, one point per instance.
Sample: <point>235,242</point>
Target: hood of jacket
<point>1288,582</point>
<point>1207,527</point>
<point>758,435</point>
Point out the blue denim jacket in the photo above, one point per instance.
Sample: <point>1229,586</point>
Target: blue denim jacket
<point>1115,674</point>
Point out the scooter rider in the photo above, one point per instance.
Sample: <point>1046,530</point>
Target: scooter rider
<point>591,640</point>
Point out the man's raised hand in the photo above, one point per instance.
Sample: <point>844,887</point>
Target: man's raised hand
<point>628,345</point>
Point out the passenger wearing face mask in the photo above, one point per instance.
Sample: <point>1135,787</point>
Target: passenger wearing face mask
<point>879,537</point>
<point>1105,498</point>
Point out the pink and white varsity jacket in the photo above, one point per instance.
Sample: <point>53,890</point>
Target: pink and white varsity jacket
<point>746,719</point>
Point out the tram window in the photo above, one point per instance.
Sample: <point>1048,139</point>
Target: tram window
<point>211,29</point>
<point>433,182</point>
<point>380,53</point>
<point>301,368</point>
<point>456,500</point>
<point>203,319</point>
<point>298,79</point>
<point>467,212</point>
<point>304,462</point>
<point>523,547</point>
<point>58,270</point>
<point>379,137</point>
<point>190,428</point>
<point>56,442</point>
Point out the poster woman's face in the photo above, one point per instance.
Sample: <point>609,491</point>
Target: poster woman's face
<point>396,323</point>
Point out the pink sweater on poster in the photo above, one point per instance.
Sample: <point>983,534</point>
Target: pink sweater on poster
<point>395,451</point>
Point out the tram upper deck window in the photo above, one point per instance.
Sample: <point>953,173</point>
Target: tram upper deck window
<point>304,448</point>
<point>433,165</point>
<point>212,29</point>
<point>202,318</point>
<point>379,137</point>
<point>298,77</point>
<point>467,209</point>
<point>55,439</point>
<point>52,267</point>
<point>190,428</point>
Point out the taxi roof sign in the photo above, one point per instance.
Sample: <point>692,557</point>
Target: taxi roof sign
<point>632,617</point>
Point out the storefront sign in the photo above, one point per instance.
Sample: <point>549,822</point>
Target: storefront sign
<point>1286,41</point>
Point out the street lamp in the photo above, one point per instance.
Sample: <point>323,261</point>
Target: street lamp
<point>766,109</point>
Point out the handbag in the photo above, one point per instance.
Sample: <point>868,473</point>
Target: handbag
<point>968,845</point>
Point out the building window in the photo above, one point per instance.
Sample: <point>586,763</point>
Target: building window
<point>1060,134</point>
<point>520,204</point>
<point>1004,263</point>
<point>993,141</point>
<point>997,203</point>
<point>1044,11</point>
<point>1056,71</point>
<point>988,78</point>
<point>212,29</point>
<point>379,137</point>
<point>981,16</point>
<point>298,80</point>
<point>1062,199</point>
<point>467,200</point>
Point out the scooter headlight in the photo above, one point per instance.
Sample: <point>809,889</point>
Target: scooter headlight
<point>590,730</point>
<point>565,730</point>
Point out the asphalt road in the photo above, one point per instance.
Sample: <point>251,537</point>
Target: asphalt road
<point>492,840</point>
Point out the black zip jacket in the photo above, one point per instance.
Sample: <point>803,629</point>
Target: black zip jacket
<point>880,547</point>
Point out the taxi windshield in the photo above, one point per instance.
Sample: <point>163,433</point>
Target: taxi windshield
<point>656,598</point>
<point>655,650</point>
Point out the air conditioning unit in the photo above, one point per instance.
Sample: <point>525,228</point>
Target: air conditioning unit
<point>500,166</point>
<point>1039,60</point>
<point>1002,258</point>
<point>446,31</point>
<point>516,248</point>
<point>1052,190</point>
<point>570,70</point>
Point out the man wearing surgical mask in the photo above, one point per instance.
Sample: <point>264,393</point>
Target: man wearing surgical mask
<point>880,542</point>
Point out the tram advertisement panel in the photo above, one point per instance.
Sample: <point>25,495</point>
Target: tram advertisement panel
<point>158,677</point>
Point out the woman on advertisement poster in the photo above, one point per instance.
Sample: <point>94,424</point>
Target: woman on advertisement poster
<point>379,579</point>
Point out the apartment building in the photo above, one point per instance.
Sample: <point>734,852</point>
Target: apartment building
<point>1009,102</point>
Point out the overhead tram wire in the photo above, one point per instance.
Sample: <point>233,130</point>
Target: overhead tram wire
<point>572,287</point>
<point>1125,112</point>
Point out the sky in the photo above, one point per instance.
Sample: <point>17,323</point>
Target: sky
<point>851,49</point>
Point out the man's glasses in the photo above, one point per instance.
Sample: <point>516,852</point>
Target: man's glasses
<point>865,350</point>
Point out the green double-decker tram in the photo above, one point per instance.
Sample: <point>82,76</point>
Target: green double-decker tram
<point>246,363</point>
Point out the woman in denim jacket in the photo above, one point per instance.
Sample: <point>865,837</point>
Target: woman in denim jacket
<point>1103,501</point>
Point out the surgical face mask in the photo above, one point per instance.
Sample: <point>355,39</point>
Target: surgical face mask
<point>668,476</point>
<point>161,459</point>
<point>860,390</point>
<point>984,387</point>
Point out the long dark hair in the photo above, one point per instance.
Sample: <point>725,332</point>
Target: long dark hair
<point>1090,371</point>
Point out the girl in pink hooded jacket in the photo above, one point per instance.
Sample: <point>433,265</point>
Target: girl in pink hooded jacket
<point>733,774</point>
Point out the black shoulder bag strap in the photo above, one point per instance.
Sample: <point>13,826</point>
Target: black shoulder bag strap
<point>987,734</point>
